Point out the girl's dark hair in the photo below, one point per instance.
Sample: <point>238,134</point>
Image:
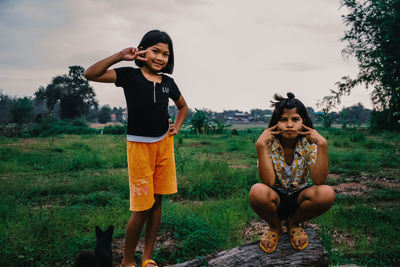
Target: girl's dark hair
<point>281,103</point>
<point>154,37</point>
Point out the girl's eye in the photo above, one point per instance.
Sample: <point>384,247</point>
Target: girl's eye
<point>282,119</point>
<point>166,55</point>
<point>155,51</point>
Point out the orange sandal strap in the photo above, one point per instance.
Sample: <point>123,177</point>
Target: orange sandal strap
<point>296,233</point>
<point>149,261</point>
<point>272,237</point>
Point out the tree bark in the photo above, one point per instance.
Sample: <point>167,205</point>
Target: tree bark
<point>252,255</point>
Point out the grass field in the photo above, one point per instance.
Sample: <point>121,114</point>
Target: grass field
<point>55,190</point>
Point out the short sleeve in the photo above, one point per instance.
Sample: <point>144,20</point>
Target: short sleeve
<point>174,92</point>
<point>311,154</point>
<point>122,76</point>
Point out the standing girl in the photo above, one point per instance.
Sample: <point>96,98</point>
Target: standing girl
<point>151,162</point>
<point>287,151</point>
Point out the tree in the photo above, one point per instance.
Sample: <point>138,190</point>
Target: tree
<point>343,118</point>
<point>325,118</point>
<point>104,114</point>
<point>5,108</point>
<point>22,110</point>
<point>71,91</point>
<point>200,122</point>
<point>373,38</point>
<point>357,114</point>
<point>118,112</point>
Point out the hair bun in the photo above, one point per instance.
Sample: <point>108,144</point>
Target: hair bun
<point>290,95</point>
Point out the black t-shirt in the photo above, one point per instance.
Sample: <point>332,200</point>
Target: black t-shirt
<point>147,102</point>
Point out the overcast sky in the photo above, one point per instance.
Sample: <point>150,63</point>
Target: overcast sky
<point>228,54</point>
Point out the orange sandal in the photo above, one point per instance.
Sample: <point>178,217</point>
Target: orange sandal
<point>297,233</point>
<point>149,261</point>
<point>271,237</point>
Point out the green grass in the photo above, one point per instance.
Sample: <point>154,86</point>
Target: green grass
<point>55,190</point>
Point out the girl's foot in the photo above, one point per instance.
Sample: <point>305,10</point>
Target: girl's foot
<point>298,237</point>
<point>269,240</point>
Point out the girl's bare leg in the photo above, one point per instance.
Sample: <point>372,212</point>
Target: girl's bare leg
<point>133,230</point>
<point>265,201</point>
<point>152,224</point>
<point>313,202</point>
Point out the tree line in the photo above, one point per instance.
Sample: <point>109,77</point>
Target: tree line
<point>69,96</point>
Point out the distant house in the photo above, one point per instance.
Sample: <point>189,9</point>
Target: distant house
<point>239,117</point>
<point>113,117</point>
<point>125,115</point>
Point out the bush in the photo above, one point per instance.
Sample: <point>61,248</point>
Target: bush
<point>115,129</point>
<point>52,127</point>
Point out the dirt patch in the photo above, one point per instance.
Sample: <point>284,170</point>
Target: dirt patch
<point>23,142</point>
<point>351,189</point>
<point>102,125</point>
<point>334,176</point>
<point>29,141</point>
<point>345,238</point>
<point>386,183</point>
<point>238,166</point>
<point>357,186</point>
<point>254,230</point>
<point>165,241</point>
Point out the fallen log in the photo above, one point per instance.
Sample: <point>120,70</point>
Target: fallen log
<point>251,255</point>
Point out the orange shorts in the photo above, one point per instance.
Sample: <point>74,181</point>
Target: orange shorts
<point>151,169</point>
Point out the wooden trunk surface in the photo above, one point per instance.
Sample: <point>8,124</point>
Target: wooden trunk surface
<point>252,255</point>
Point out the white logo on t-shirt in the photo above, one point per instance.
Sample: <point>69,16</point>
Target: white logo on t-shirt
<point>165,90</point>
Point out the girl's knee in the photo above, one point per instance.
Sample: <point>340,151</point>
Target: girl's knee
<point>260,193</point>
<point>142,213</point>
<point>255,191</point>
<point>326,194</point>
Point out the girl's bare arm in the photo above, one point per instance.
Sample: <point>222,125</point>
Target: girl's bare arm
<point>180,117</point>
<point>99,71</point>
<point>319,169</point>
<point>265,167</point>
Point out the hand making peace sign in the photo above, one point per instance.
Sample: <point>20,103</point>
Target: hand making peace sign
<point>268,135</point>
<point>313,136</point>
<point>131,53</point>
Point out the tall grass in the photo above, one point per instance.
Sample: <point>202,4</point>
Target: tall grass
<point>55,190</point>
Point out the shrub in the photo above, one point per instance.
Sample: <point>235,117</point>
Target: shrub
<point>53,127</point>
<point>114,129</point>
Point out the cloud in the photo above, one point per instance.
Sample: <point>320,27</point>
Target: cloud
<point>23,23</point>
<point>238,51</point>
<point>299,66</point>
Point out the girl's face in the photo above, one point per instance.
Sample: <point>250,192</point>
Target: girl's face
<point>289,123</point>
<point>157,57</point>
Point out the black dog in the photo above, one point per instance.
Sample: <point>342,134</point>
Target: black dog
<point>102,256</point>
